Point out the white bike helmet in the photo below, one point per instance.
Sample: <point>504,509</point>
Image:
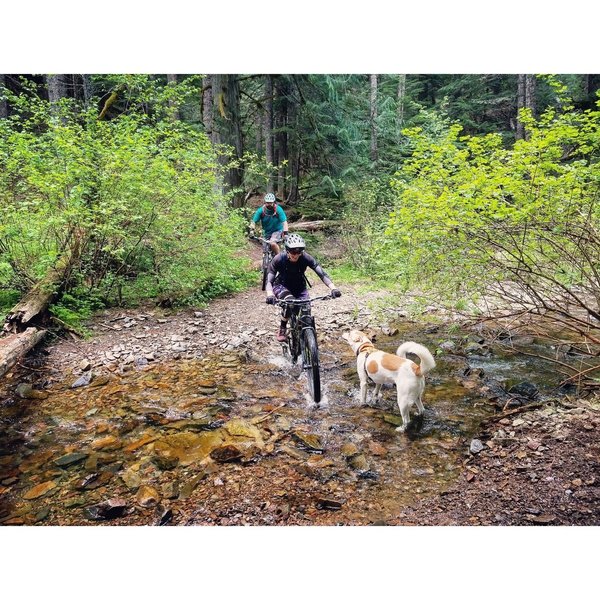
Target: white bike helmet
<point>269,198</point>
<point>293,240</point>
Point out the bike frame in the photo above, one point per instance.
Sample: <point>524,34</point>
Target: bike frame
<point>303,341</point>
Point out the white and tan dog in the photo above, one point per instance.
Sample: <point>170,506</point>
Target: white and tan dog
<point>383,367</point>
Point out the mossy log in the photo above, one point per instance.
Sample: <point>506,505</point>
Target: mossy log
<point>36,302</point>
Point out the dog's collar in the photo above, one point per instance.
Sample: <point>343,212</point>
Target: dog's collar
<point>365,347</point>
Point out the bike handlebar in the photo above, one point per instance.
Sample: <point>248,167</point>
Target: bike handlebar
<point>260,239</point>
<point>297,301</point>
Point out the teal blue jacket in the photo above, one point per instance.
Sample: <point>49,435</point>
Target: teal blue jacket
<point>271,222</point>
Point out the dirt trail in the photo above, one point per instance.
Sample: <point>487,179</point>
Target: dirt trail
<point>539,467</point>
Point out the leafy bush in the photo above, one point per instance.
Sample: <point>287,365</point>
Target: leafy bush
<point>139,190</point>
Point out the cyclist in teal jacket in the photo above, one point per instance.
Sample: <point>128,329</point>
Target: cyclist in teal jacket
<point>274,222</point>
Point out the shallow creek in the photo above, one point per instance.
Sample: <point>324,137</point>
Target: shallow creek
<point>232,439</point>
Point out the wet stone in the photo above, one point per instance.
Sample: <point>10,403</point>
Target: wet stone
<point>39,490</point>
<point>359,463</point>
<point>147,496</point>
<point>170,490</point>
<point>395,420</point>
<point>349,450</point>
<point>328,504</point>
<point>310,441</point>
<point>109,509</point>
<point>131,479</point>
<point>99,381</point>
<point>70,459</point>
<point>228,453</point>
<point>42,514</point>
<point>82,381</point>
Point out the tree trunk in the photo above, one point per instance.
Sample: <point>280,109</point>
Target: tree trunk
<point>520,133</point>
<point>373,117</point>
<point>282,136</point>
<point>268,128</point>
<point>206,105</point>
<point>401,98</point>
<point>35,303</point>
<point>530,86</point>
<point>56,91</point>
<point>228,131</point>
<point>56,87</point>
<point>313,225</point>
<point>295,153</point>
<point>172,80</point>
<point>3,101</point>
<point>15,346</point>
<point>88,89</point>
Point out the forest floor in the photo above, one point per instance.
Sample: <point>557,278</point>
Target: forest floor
<point>538,464</point>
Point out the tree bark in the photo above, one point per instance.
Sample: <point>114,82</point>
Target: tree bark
<point>268,128</point>
<point>228,131</point>
<point>401,98</point>
<point>172,80</point>
<point>88,89</point>
<point>520,133</point>
<point>530,86</point>
<point>282,136</point>
<point>3,101</point>
<point>373,118</point>
<point>56,87</point>
<point>206,105</point>
<point>15,346</point>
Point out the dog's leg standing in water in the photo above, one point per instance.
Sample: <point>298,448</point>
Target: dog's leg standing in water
<point>412,391</point>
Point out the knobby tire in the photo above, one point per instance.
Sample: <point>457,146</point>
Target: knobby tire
<point>310,363</point>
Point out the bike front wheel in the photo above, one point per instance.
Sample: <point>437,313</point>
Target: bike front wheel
<point>310,363</point>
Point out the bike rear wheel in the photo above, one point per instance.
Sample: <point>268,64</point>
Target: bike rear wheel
<point>310,363</point>
<point>265,268</point>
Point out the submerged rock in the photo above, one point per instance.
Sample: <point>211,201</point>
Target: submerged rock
<point>82,381</point>
<point>147,496</point>
<point>70,459</point>
<point>39,490</point>
<point>186,447</point>
<point>310,441</point>
<point>109,509</point>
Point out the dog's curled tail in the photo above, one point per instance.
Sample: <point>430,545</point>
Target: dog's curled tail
<point>427,361</point>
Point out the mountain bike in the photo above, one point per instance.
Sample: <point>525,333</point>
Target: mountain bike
<point>267,257</point>
<point>302,341</point>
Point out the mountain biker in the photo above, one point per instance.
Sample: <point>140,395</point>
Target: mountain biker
<point>273,220</point>
<point>286,279</point>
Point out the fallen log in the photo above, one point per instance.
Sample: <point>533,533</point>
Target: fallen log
<point>312,225</point>
<point>43,293</point>
<point>13,347</point>
<point>20,333</point>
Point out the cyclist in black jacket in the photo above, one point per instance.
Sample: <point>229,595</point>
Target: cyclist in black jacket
<point>286,279</point>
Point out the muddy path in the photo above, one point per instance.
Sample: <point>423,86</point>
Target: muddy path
<point>194,417</point>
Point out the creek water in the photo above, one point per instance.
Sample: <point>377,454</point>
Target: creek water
<point>233,439</point>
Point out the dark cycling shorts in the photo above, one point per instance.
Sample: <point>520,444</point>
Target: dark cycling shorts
<point>282,293</point>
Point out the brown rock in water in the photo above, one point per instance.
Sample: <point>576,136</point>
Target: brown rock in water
<point>147,496</point>
<point>109,442</point>
<point>39,490</point>
<point>109,509</point>
<point>310,441</point>
<point>227,453</point>
<point>349,450</point>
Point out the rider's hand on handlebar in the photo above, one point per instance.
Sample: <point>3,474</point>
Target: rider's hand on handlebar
<point>335,293</point>
<point>271,299</point>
